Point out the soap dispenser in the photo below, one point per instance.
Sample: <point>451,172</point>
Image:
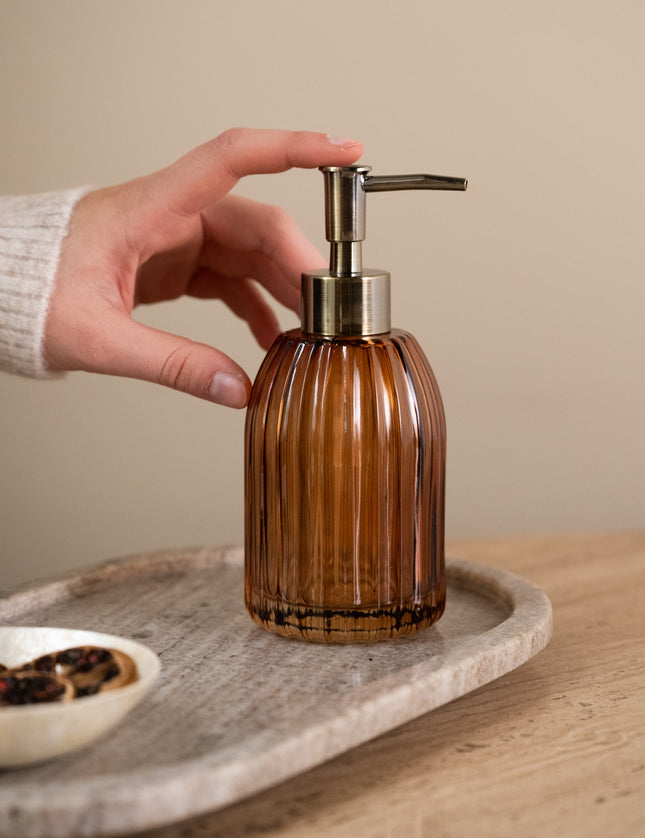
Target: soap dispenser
<point>346,451</point>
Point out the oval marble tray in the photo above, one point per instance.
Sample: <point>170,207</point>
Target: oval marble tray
<point>236,709</point>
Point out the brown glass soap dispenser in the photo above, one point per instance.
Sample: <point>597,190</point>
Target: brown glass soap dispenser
<point>346,452</point>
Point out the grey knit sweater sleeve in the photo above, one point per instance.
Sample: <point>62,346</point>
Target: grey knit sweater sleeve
<point>32,229</point>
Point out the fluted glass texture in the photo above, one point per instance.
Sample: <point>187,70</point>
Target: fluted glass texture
<point>345,474</point>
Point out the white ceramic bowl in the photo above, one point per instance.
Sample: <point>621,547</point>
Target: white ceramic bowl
<point>35,732</point>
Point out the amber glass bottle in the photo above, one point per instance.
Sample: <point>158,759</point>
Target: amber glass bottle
<point>345,489</point>
<point>345,465</point>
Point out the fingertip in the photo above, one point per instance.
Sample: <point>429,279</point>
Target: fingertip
<point>345,149</point>
<point>229,390</point>
<point>344,143</point>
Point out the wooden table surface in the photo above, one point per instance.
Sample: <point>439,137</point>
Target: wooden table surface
<point>555,748</point>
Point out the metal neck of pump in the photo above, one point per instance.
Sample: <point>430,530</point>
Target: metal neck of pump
<point>345,299</point>
<point>345,258</point>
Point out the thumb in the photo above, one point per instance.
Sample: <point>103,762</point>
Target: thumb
<point>149,354</point>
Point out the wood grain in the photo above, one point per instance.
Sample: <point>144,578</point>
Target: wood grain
<point>556,747</point>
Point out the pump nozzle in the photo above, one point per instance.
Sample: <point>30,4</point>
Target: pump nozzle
<point>394,183</point>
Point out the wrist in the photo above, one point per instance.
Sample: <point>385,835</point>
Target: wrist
<point>34,229</point>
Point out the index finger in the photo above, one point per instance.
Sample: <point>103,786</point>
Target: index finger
<point>211,170</point>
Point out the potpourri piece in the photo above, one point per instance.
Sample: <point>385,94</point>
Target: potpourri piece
<point>66,674</point>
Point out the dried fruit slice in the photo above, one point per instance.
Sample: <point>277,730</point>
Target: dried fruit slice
<point>32,687</point>
<point>91,669</point>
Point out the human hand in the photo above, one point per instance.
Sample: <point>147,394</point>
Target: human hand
<point>178,232</point>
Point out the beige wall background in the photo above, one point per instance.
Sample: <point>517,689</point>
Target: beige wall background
<point>527,293</point>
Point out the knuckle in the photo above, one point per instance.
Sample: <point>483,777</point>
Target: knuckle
<point>227,145</point>
<point>300,137</point>
<point>175,370</point>
<point>278,218</point>
<point>232,137</point>
<point>278,225</point>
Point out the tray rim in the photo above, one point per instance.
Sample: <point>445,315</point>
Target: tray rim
<point>206,788</point>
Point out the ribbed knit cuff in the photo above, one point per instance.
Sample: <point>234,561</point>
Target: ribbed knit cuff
<point>32,229</point>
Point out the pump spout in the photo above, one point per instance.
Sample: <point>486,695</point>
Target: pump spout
<point>393,183</point>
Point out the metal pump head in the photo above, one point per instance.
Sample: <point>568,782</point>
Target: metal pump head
<point>349,300</point>
<point>345,192</point>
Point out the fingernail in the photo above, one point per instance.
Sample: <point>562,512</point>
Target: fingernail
<point>228,390</point>
<point>342,142</point>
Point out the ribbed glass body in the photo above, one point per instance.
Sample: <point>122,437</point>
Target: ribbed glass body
<point>345,474</point>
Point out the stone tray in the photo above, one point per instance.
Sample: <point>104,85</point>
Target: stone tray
<point>236,709</point>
